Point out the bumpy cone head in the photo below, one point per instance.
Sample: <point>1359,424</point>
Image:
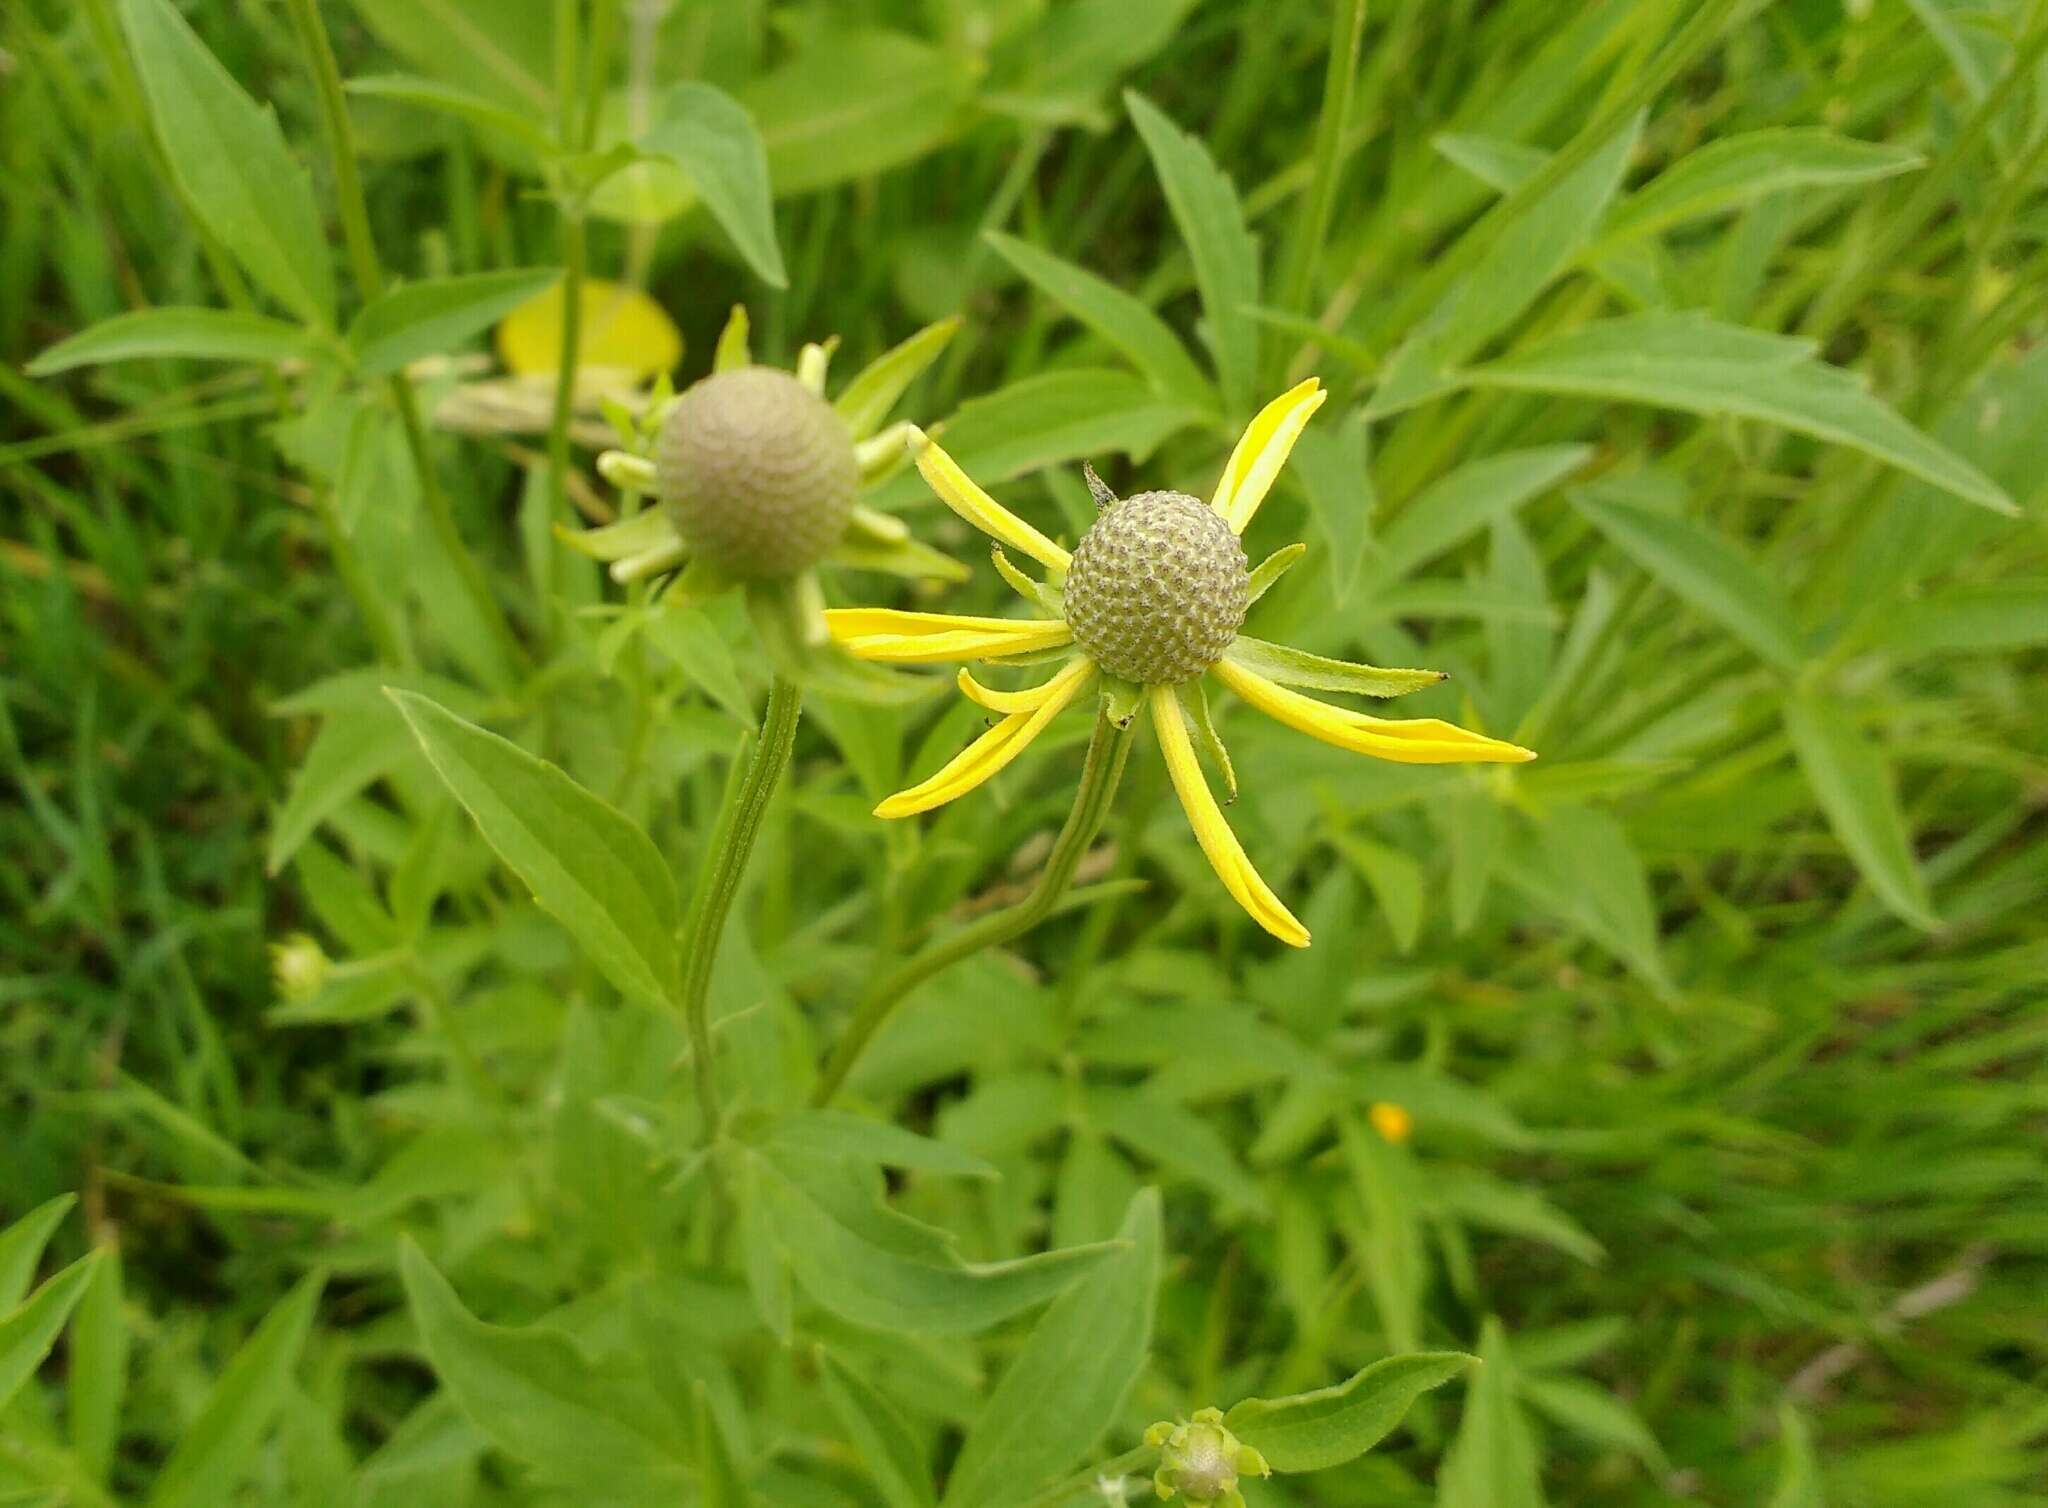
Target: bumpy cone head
<point>1157,588</point>
<point>757,471</point>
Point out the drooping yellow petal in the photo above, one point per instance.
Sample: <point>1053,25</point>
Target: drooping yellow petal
<point>1262,450</point>
<point>1404,740</point>
<point>996,748</point>
<point>1219,844</point>
<point>620,327</point>
<point>958,491</point>
<point>906,638</point>
<point>1030,699</point>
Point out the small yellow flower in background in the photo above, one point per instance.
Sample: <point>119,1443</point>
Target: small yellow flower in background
<point>1149,605</point>
<point>621,329</point>
<point>1393,1122</point>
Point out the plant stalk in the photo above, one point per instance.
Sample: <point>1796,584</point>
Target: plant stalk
<point>1107,750</point>
<point>755,775</point>
<point>369,277</point>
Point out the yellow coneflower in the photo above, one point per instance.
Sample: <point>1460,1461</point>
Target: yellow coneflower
<point>1149,606</point>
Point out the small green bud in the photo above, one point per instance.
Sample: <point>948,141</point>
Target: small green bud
<point>757,472</point>
<point>299,967</point>
<point>1157,588</point>
<point>1202,1461</point>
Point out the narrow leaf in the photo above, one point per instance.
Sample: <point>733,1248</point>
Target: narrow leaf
<point>21,1247</point>
<point>1313,1431</point>
<point>1738,170</point>
<point>436,315</point>
<point>1205,206</point>
<point>711,139</point>
<point>195,334</point>
<point>1070,1379</point>
<point>890,1452</point>
<point>1854,784</point>
<point>1143,338</point>
<point>1687,362</point>
<point>31,1329</point>
<point>230,159</point>
<point>586,864</point>
<point>1706,570</point>
<point>219,1446</point>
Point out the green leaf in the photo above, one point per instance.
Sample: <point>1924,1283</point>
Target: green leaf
<point>536,1395</point>
<point>1325,1428</point>
<point>1330,465</point>
<point>1390,1246</point>
<point>1396,882</point>
<point>21,1247</point>
<point>876,387</point>
<point>1738,170</point>
<point>853,102</point>
<point>1799,1483</point>
<point>1143,338</point>
<point>586,864</point>
<point>1706,570</point>
<point>719,1484</point>
<point>877,1270</point>
<point>1854,784</point>
<point>29,1330</point>
<point>502,51</point>
<point>1688,362</point>
<point>352,751</point>
<point>195,334</point>
<point>1070,1380</point>
<point>1592,876</point>
<point>435,315</point>
<point>840,1134</point>
<point>1297,667</point>
<point>693,643</point>
<point>1040,421</point>
<point>1495,1204</point>
<point>218,1447</point>
<point>1508,279</point>
<point>98,1370</point>
<point>463,104</point>
<point>1493,1463</point>
<point>1995,619</point>
<point>1595,1414</point>
<point>230,159</point>
<point>1459,505</point>
<point>890,1452</point>
<point>711,139</point>
<point>1205,207</point>
<point>1176,1139</point>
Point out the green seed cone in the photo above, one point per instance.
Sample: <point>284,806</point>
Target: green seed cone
<point>1157,588</point>
<point>757,471</point>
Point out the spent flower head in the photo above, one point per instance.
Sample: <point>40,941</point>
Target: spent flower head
<point>756,479</point>
<point>1148,606</point>
<point>1202,1461</point>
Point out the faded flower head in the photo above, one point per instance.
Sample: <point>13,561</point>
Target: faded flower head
<point>1148,608</point>
<point>1202,1461</point>
<point>757,472</point>
<point>758,480</point>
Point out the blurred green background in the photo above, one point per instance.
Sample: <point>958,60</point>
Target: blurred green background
<point>1718,1034</point>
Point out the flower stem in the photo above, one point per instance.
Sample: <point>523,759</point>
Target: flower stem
<point>369,278</point>
<point>1104,766</point>
<point>575,258</point>
<point>755,775</point>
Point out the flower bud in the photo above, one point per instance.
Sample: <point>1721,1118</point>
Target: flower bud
<point>299,966</point>
<point>1202,1461</point>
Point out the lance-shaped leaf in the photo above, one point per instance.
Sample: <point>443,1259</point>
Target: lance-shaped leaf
<point>711,139</point>
<point>1311,1431</point>
<point>434,316</point>
<point>585,863</point>
<point>195,334</point>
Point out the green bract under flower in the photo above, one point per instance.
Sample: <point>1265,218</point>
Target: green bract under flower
<point>1158,588</point>
<point>757,471</point>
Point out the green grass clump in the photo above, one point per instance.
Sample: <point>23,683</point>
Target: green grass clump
<point>1688,404</point>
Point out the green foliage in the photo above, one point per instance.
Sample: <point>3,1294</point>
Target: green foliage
<point>1688,407</point>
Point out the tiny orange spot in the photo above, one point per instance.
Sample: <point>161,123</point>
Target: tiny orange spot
<point>1391,1121</point>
